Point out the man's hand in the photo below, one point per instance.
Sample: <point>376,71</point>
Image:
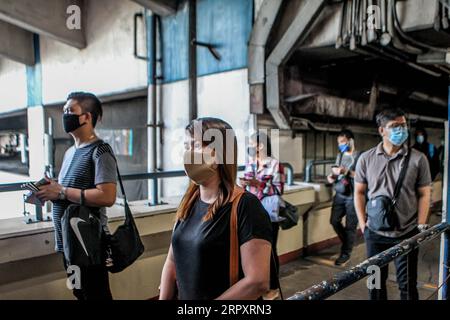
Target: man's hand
<point>49,192</point>
<point>362,226</point>
<point>337,171</point>
<point>244,182</point>
<point>331,179</point>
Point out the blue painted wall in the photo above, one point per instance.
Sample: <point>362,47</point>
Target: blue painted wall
<point>227,24</point>
<point>34,77</point>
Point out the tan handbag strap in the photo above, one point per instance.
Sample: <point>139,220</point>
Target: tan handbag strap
<point>234,241</point>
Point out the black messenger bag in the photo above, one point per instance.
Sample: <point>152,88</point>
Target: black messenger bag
<point>381,210</point>
<point>124,246</point>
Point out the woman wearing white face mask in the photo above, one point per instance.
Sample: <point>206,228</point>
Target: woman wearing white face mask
<point>208,258</point>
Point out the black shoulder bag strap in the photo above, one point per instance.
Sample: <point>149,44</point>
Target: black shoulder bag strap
<point>399,184</point>
<point>119,177</point>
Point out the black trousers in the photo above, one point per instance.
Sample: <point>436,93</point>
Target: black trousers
<point>274,261</point>
<point>94,283</point>
<point>344,207</point>
<point>376,244</point>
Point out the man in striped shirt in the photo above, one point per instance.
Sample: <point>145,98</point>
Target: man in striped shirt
<point>88,167</point>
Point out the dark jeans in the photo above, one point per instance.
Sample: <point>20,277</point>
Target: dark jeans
<point>344,207</point>
<point>274,261</point>
<point>94,283</point>
<point>376,244</point>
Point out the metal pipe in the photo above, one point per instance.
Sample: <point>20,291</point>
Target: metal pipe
<point>192,60</point>
<point>11,187</point>
<point>409,63</point>
<point>393,34</point>
<point>364,40</point>
<point>371,33</point>
<point>386,38</point>
<point>352,25</point>
<point>313,163</point>
<point>345,279</point>
<point>257,46</point>
<point>289,174</point>
<point>135,32</point>
<point>444,262</point>
<point>154,100</point>
<point>340,39</point>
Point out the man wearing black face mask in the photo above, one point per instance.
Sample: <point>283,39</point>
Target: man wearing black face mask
<point>88,167</point>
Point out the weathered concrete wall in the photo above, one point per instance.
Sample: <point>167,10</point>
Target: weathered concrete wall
<point>13,86</point>
<point>106,65</point>
<point>223,95</point>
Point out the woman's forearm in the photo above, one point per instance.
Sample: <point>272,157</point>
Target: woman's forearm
<point>168,281</point>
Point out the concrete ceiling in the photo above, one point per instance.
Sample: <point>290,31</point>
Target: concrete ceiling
<point>21,18</point>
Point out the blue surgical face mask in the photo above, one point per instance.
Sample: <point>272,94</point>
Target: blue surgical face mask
<point>344,147</point>
<point>398,136</point>
<point>420,139</point>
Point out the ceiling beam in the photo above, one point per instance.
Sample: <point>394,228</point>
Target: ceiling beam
<point>46,17</point>
<point>159,7</point>
<point>16,44</point>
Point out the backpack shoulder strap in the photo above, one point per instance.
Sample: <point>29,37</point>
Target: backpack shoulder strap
<point>234,241</point>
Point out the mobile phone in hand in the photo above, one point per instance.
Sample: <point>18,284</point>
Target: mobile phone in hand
<point>41,182</point>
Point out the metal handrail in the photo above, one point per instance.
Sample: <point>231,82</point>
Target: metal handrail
<point>313,163</point>
<point>342,280</point>
<point>154,176</point>
<point>11,187</point>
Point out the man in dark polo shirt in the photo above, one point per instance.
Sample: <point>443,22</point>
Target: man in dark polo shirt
<point>377,173</point>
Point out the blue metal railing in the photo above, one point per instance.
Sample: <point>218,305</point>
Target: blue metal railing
<point>342,280</point>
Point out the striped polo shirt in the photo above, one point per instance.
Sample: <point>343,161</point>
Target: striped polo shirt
<point>84,168</point>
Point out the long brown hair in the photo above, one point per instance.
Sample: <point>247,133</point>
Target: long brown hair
<point>227,169</point>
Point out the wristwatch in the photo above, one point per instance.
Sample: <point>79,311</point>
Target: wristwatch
<point>423,227</point>
<point>62,194</point>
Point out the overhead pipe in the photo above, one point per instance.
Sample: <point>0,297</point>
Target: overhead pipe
<point>371,32</point>
<point>417,43</point>
<point>297,31</point>
<point>364,39</point>
<point>397,43</point>
<point>385,38</point>
<point>258,39</point>
<point>340,39</point>
<point>352,26</point>
<point>419,117</point>
<point>257,56</point>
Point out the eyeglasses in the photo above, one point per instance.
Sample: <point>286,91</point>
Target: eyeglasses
<point>397,126</point>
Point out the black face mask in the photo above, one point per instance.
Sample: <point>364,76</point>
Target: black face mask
<point>252,152</point>
<point>71,122</point>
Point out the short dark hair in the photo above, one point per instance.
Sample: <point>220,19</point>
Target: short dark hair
<point>346,133</point>
<point>389,115</point>
<point>89,103</point>
<point>262,138</point>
